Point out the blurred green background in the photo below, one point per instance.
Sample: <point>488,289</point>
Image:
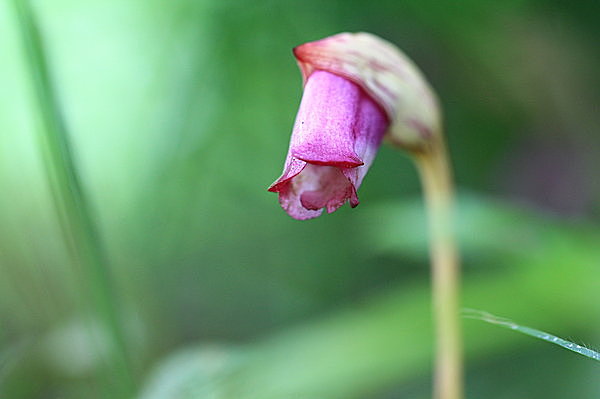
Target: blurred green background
<point>179,115</point>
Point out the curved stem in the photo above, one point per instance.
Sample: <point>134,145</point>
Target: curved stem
<point>434,169</point>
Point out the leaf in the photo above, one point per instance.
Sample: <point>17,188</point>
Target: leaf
<point>387,340</point>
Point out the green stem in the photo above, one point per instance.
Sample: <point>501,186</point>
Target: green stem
<point>77,224</point>
<point>434,169</point>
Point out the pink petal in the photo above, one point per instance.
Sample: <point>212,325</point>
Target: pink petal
<point>292,168</point>
<point>371,125</point>
<point>324,130</point>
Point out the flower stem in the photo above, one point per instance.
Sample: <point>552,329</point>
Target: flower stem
<point>435,171</point>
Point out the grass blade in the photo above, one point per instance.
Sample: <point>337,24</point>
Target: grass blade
<point>74,212</point>
<point>490,318</point>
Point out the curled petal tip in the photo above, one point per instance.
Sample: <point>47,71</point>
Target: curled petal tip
<point>315,157</point>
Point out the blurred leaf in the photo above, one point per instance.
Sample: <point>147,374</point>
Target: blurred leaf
<point>388,339</point>
<point>486,228</point>
<point>205,365</point>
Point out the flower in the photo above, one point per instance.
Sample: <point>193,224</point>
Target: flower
<point>337,133</point>
<point>358,88</point>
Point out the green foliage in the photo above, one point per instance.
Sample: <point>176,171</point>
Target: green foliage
<point>70,202</point>
<point>348,354</point>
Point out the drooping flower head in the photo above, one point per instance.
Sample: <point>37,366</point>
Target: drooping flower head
<point>357,87</point>
<point>337,133</point>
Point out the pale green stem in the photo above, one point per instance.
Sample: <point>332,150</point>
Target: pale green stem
<point>434,169</point>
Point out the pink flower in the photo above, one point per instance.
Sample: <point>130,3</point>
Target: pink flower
<point>337,133</point>
<point>357,87</point>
